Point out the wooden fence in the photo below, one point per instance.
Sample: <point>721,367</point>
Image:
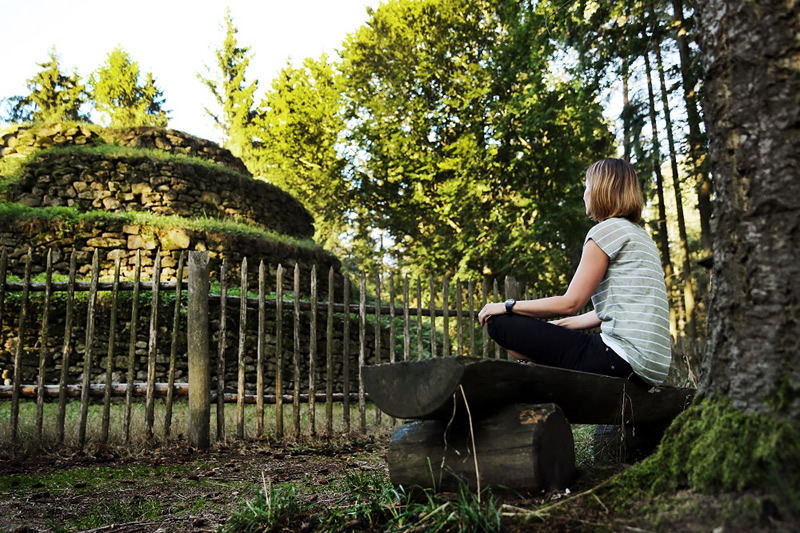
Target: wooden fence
<point>398,315</point>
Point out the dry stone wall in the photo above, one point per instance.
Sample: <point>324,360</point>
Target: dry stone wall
<point>121,239</point>
<point>181,187</point>
<point>23,142</point>
<point>124,184</point>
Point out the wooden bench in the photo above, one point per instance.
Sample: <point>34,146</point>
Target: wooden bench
<point>510,419</point>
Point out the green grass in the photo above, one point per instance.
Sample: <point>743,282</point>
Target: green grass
<point>369,502</point>
<point>62,219</point>
<point>275,508</point>
<point>13,168</point>
<point>27,444</point>
<point>118,512</point>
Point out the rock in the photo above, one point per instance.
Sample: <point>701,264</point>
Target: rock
<point>139,242</point>
<point>174,239</point>
<point>141,188</point>
<point>106,242</point>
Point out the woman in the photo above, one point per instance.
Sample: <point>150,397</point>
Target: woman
<point>620,270</point>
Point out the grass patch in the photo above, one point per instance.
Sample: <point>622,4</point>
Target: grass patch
<point>368,502</point>
<point>276,508</point>
<point>63,221</point>
<point>118,512</point>
<point>12,168</point>
<point>26,443</point>
<point>113,151</point>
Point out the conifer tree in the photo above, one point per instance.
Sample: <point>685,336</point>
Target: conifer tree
<point>53,96</point>
<point>231,92</point>
<point>122,98</point>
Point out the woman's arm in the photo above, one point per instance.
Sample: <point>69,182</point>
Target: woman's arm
<point>592,268</point>
<point>585,321</point>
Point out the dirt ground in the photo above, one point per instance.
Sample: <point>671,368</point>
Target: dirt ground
<point>179,489</point>
<point>185,489</point>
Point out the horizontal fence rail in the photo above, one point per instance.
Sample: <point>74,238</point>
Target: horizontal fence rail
<point>140,336</point>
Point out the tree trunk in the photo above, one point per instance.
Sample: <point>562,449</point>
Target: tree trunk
<point>626,110</point>
<point>750,58</point>
<point>663,236</point>
<point>696,139</point>
<point>686,271</point>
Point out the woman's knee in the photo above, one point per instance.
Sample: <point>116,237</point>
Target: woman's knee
<point>496,328</point>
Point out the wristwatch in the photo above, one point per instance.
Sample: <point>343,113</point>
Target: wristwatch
<point>510,306</point>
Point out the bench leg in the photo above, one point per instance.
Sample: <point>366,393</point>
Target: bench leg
<point>626,444</point>
<point>519,447</point>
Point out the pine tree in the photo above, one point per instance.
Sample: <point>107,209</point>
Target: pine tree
<point>122,98</point>
<point>53,96</point>
<point>232,93</point>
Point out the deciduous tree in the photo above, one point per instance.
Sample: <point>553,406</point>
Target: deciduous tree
<point>473,151</point>
<point>296,129</point>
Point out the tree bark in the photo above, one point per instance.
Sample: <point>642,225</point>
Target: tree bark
<point>663,236</point>
<point>696,138</point>
<point>750,59</point>
<point>686,271</point>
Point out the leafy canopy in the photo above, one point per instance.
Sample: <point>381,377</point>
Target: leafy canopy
<point>231,91</point>
<point>122,98</point>
<point>296,130</point>
<point>53,96</point>
<point>472,150</point>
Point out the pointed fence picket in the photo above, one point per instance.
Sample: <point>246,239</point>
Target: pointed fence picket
<point>394,319</point>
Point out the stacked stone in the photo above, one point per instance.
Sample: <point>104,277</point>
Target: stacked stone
<point>122,183</point>
<point>22,142</point>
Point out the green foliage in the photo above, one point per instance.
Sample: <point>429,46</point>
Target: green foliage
<point>473,152</point>
<point>275,509</point>
<point>119,512</point>
<point>369,501</point>
<point>122,97</point>
<point>462,511</point>
<point>297,127</point>
<point>713,447</point>
<point>54,96</point>
<point>232,93</point>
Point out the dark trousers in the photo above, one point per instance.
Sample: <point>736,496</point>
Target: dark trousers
<point>551,345</point>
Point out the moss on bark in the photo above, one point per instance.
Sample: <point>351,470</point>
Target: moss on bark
<point>712,448</point>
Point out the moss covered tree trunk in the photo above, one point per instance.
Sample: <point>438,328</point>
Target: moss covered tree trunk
<point>751,58</point>
<point>744,431</point>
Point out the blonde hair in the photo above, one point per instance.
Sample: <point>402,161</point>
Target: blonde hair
<point>614,190</point>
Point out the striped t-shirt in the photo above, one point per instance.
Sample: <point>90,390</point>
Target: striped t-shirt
<point>631,300</point>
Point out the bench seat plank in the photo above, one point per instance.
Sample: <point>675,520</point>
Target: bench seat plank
<point>426,389</point>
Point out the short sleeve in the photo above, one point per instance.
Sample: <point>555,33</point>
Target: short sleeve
<point>609,235</point>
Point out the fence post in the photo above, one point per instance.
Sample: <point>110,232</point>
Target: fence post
<point>197,343</point>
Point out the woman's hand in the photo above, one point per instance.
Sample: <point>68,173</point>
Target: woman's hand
<point>489,310</point>
<point>585,321</point>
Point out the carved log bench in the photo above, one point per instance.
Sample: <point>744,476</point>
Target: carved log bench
<point>512,420</point>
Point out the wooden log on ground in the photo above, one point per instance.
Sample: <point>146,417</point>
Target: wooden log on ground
<point>426,390</point>
<point>519,447</point>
